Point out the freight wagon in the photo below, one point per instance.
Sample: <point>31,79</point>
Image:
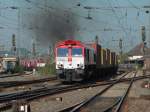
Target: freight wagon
<point>30,64</point>
<point>77,61</point>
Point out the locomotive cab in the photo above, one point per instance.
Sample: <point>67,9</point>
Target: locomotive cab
<point>70,61</point>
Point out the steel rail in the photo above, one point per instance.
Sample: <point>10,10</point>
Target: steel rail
<point>125,95</point>
<point>60,90</point>
<point>36,94</point>
<point>48,90</point>
<point>128,79</point>
<point>45,90</point>
<point>123,80</point>
<point>19,83</point>
<point>71,108</point>
<point>78,107</point>
<point>32,93</point>
<point>17,74</point>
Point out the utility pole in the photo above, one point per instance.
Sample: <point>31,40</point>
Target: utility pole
<point>19,26</point>
<point>148,12</point>
<point>120,46</point>
<point>96,39</point>
<point>50,54</point>
<point>2,47</point>
<point>143,39</point>
<point>33,49</point>
<point>14,44</point>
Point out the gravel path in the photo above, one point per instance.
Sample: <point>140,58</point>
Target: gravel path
<point>135,103</point>
<point>51,104</point>
<point>139,98</point>
<point>28,86</point>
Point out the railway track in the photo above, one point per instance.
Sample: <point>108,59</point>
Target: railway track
<point>13,75</point>
<point>6,100</point>
<point>119,105</point>
<point>7,84</point>
<point>47,90</point>
<point>84,106</point>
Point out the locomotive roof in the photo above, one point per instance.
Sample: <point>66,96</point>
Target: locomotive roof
<point>69,42</point>
<point>73,42</point>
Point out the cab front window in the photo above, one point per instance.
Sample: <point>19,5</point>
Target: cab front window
<point>62,52</point>
<point>76,52</point>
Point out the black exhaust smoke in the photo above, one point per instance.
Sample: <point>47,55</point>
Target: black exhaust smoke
<point>51,26</point>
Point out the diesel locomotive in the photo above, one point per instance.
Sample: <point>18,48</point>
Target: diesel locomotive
<point>76,61</point>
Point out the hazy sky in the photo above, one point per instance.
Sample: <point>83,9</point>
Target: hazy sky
<point>45,21</point>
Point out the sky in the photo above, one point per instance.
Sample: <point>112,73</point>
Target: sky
<point>46,22</point>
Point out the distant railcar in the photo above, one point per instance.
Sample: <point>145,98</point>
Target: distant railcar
<point>76,61</point>
<point>29,64</point>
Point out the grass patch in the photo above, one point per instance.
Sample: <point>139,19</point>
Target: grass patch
<point>49,69</point>
<point>18,69</point>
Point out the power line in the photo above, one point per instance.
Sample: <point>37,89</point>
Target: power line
<point>132,4</point>
<point>86,7</point>
<point>64,10</point>
<point>113,10</point>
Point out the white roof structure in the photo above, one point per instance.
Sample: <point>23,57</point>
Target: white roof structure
<point>135,57</point>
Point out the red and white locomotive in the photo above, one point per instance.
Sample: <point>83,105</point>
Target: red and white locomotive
<point>76,61</point>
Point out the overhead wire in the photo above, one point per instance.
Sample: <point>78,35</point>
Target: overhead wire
<point>138,8</point>
<point>126,22</point>
<point>122,15</point>
<point>118,19</point>
<point>132,4</point>
<point>66,10</point>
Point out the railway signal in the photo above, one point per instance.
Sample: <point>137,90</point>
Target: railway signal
<point>96,39</point>
<point>143,33</point>
<point>33,49</point>
<point>14,43</point>
<point>120,46</point>
<point>143,38</point>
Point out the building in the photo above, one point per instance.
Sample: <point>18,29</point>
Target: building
<point>137,56</point>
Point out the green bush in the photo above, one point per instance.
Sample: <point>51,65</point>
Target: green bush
<point>49,69</point>
<point>18,69</point>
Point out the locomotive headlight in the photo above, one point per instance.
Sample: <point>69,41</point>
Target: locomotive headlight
<point>60,66</point>
<point>80,65</point>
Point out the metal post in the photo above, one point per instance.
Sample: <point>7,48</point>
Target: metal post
<point>96,39</point>
<point>21,106</point>
<point>18,33</point>
<point>120,46</point>
<point>148,12</point>
<point>33,49</point>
